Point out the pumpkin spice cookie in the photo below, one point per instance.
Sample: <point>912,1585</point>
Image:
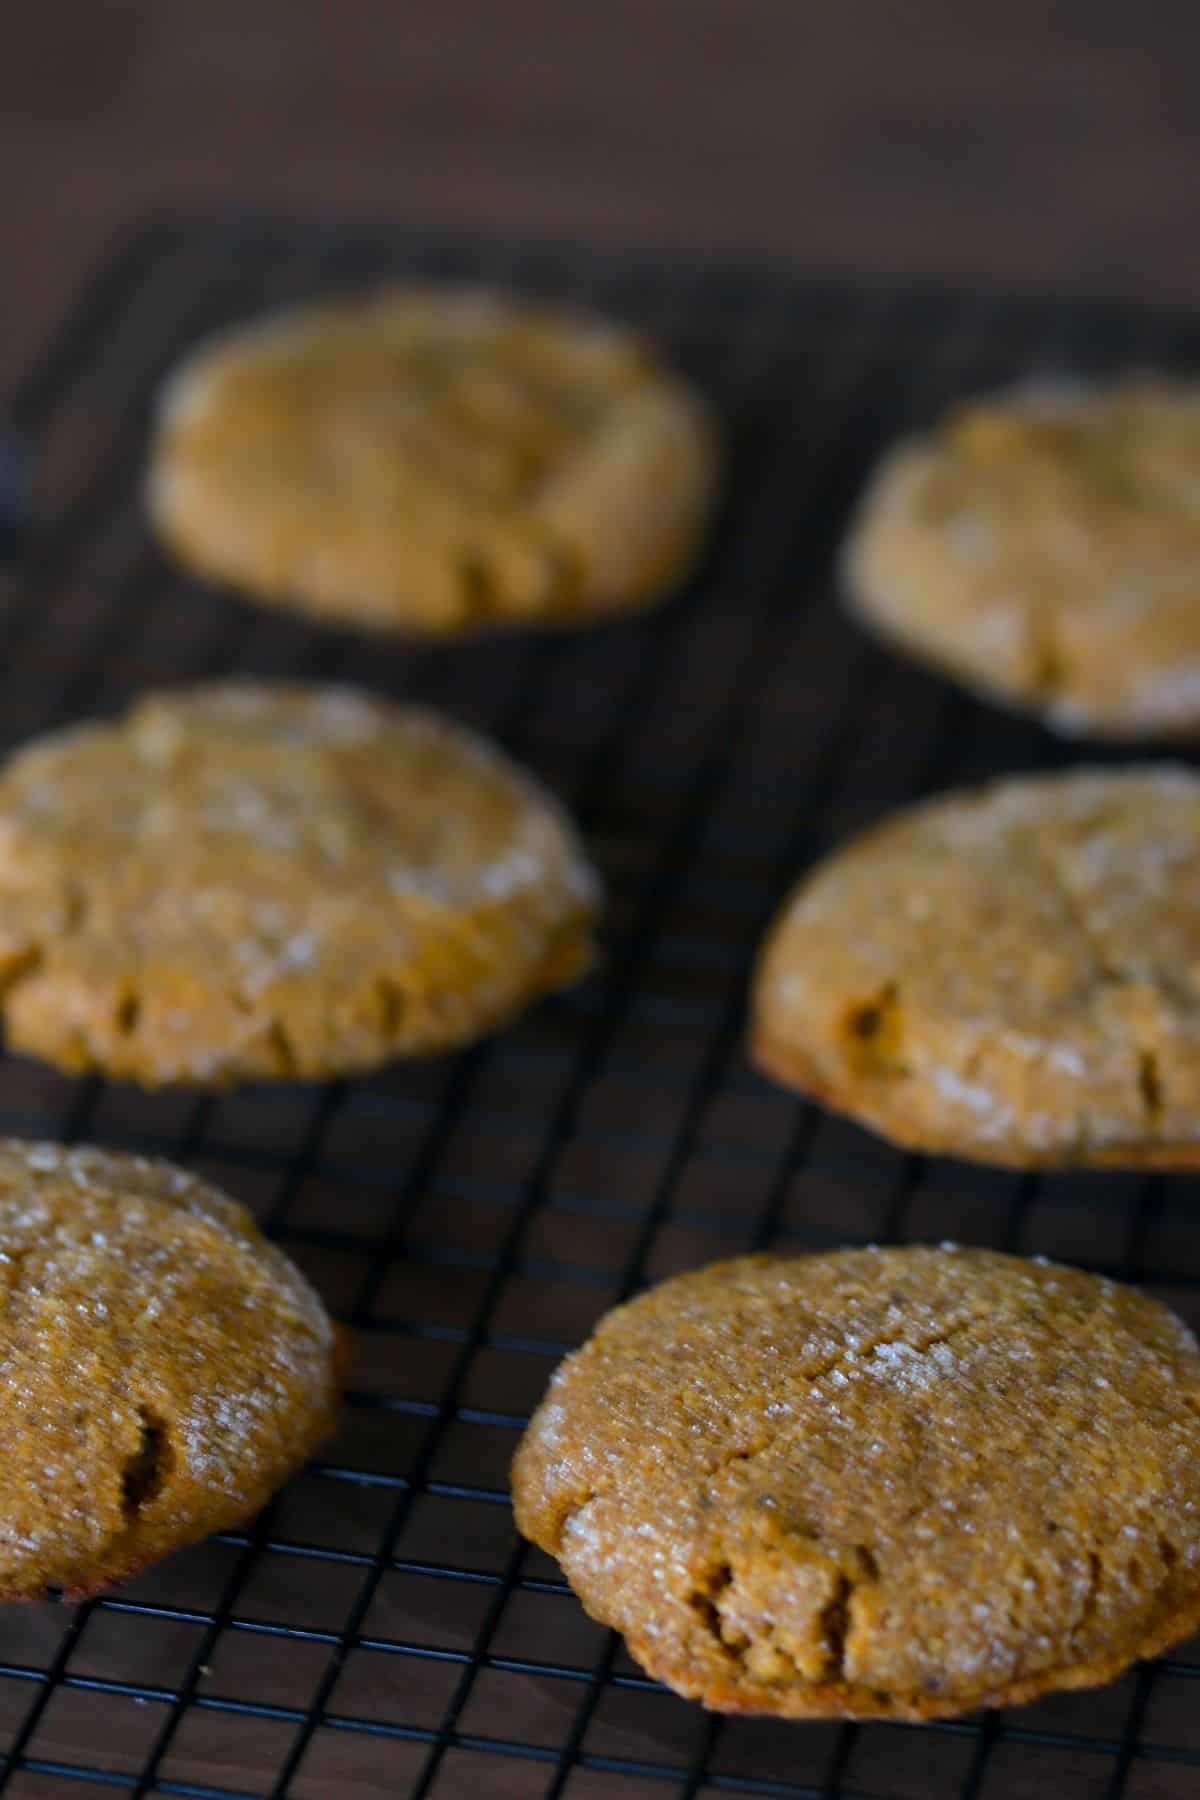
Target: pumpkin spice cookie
<point>165,1369</point>
<point>1010,974</point>
<point>247,880</point>
<point>1044,547</point>
<point>434,460</point>
<point>876,1483</point>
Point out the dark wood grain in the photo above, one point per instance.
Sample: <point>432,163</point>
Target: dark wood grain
<point>1045,141</point>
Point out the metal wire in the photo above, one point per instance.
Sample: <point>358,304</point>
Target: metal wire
<point>379,1630</point>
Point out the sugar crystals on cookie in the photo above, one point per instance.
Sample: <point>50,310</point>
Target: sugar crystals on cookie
<point>248,880</point>
<point>1044,547</point>
<point>1007,973</point>
<point>894,1483</point>
<point>434,460</point>
<point>165,1368</point>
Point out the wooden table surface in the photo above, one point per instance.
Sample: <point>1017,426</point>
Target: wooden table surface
<point>1043,141</point>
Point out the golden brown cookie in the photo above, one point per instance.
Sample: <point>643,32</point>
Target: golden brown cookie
<point>1044,547</point>
<point>434,460</point>
<point>164,1368</point>
<point>1010,973</point>
<point>876,1483</point>
<point>249,880</point>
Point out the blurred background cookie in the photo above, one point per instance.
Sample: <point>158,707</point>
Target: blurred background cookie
<point>1044,547</point>
<point>248,880</point>
<point>165,1368</point>
<point>1008,974</point>
<point>434,460</point>
<point>876,1483</point>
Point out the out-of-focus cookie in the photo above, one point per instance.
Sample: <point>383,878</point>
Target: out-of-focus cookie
<point>1044,547</point>
<point>246,880</point>
<point>434,460</point>
<point>876,1483</point>
<point>1010,973</point>
<point>165,1368</point>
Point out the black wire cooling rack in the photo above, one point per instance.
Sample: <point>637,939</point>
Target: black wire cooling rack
<point>379,1631</point>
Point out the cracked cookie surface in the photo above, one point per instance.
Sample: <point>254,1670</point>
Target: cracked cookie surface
<point>1044,547</point>
<point>252,880</point>
<point>904,1482</point>
<point>435,461</point>
<point>1010,974</point>
<point>164,1367</point>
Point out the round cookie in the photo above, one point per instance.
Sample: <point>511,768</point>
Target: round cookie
<point>876,1483</point>
<point>246,880</point>
<point>434,460</point>
<point>164,1367</point>
<point>1044,547</point>
<point>1010,973</point>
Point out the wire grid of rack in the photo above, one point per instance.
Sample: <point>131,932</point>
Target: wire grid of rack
<point>379,1630</point>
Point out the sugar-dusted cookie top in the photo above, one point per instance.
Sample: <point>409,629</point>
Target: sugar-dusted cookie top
<point>434,460</point>
<point>1044,547</point>
<point>876,1483</point>
<point>1010,973</point>
<point>247,880</point>
<point>164,1367</point>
